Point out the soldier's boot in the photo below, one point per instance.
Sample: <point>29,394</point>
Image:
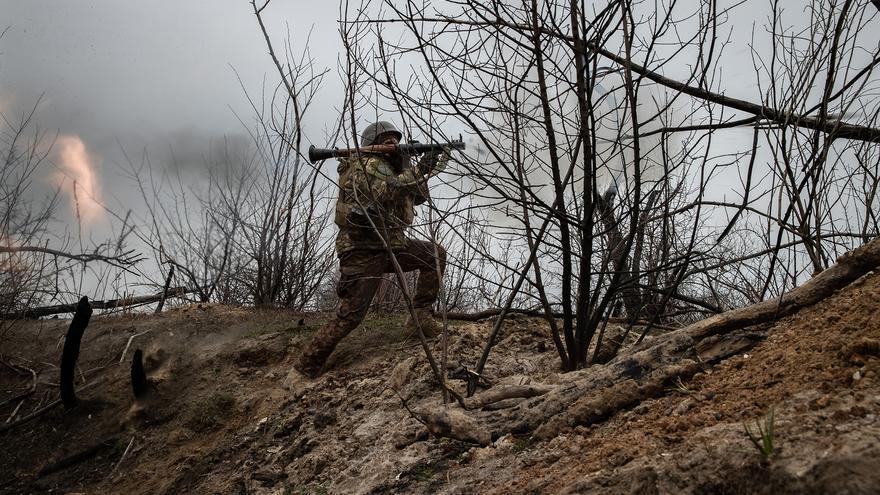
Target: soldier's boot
<point>302,376</point>
<point>298,382</point>
<point>430,327</point>
<point>315,354</point>
<point>307,368</point>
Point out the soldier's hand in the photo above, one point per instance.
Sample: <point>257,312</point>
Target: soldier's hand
<point>428,161</point>
<point>442,161</point>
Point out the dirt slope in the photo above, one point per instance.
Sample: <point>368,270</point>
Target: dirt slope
<point>225,418</point>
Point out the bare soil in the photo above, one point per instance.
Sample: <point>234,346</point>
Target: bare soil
<point>225,417</point>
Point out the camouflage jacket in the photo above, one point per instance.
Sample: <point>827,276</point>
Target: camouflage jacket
<point>369,186</point>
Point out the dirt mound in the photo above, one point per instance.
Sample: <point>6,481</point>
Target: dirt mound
<point>818,372</point>
<point>225,417</point>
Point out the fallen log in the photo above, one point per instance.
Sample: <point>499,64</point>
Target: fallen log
<point>597,392</point>
<point>454,423</point>
<point>647,370</point>
<point>106,304</point>
<point>593,408</point>
<point>848,268</point>
<point>499,394</point>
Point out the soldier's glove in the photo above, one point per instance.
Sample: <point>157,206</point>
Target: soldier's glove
<point>428,161</point>
<point>442,161</point>
<point>434,162</point>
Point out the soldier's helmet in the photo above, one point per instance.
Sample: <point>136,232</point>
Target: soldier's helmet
<point>373,131</point>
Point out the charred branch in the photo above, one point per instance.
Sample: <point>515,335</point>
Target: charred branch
<point>106,304</point>
<point>71,351</point>
<point>165,289</point>
<point>140,386</point>
<point>126,259</point>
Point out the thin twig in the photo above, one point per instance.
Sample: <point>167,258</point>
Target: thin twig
<point>25,393</point>
<point>405,404</point>
<point>128,344</point>
<point>15,411</point>
<point>46,408</point>
<point>22,395</point>
<point>116,467</point>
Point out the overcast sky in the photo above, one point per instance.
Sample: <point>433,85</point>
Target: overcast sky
<point>156,73</point>
<point>162,74</point>
<point>149,71</point>
<point>153,74</point>
<point>159,74</point>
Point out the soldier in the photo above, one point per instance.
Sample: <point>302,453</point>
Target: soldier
<point>376,203</point>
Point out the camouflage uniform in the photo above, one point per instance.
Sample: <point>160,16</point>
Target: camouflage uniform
<point>372,189</point>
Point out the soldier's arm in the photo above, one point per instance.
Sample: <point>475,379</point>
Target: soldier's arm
<point>383,184</point>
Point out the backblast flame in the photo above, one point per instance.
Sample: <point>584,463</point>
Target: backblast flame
<point>78,167</point>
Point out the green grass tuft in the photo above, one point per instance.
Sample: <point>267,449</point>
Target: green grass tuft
<point>764,438</point>
<point>520,445</point>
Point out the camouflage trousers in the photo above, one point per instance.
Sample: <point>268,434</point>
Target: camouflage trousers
<point>360,275</point>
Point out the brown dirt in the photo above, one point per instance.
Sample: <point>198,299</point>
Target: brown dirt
<point>225,418</point>
<point>818,371</point>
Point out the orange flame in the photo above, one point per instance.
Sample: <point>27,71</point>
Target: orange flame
<point>78,166</point>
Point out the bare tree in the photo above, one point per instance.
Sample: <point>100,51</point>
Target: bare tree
<point>181,228</point>
<point>607,169</point>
